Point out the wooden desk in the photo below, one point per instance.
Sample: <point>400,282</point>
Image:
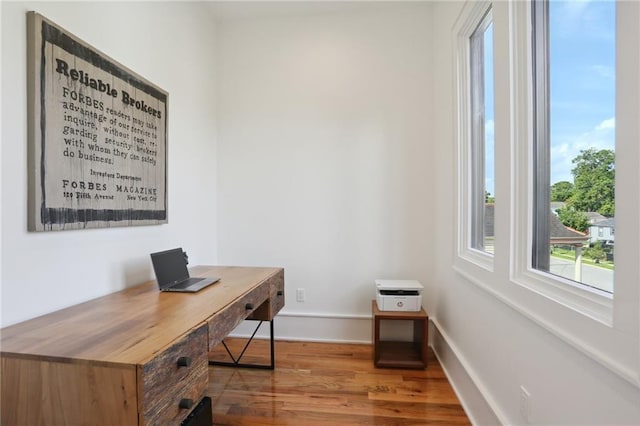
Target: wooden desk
<point>132,357</point>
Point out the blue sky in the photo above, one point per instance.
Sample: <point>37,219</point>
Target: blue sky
<point>582,60</point>
<point>488,111</point>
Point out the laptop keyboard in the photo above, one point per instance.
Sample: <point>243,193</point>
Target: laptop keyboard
<point>187,283</point>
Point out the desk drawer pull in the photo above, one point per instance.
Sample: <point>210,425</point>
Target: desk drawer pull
<point>186,403</point>
<point>280,292</point>
<point>184,361</point>
<point>248,306</point>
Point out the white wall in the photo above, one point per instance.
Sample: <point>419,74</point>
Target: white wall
<point>325,156</point>
<point>170,44</point>
<point>334,159</point>
<point>495,336</point>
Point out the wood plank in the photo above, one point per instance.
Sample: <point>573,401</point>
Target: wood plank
<point>324,383</point>
<point>132,325</point>
<point>55,393</point>
<point>163,382</point>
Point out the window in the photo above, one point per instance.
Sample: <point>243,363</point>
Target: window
<point>574,137</point>
<point>533,67</point>
<point>475,142</point>
<point>482,146</point>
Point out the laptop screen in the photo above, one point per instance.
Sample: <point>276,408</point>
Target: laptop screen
<point>169,266</point>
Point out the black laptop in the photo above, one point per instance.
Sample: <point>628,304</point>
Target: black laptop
<point>170,267</point>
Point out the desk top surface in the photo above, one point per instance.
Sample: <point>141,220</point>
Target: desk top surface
<point>130,325</point>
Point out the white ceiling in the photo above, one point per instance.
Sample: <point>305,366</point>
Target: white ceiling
<point>239,9</point>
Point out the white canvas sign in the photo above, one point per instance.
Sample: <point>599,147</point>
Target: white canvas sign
<point>97,137</point>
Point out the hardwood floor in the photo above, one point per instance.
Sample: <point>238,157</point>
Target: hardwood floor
<point>328,383</point>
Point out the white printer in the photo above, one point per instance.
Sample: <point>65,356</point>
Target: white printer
<point>399,295</point>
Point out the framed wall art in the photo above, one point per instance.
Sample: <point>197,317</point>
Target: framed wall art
<point>97,137</point>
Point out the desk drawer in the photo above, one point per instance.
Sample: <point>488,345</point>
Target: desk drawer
<point>275,302</point>
<point>224,321</point>
<point>176,375</point>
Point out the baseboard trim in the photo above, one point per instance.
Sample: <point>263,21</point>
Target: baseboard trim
<point>323,315</point>
<point>313,327</point>
<point>474,396</point>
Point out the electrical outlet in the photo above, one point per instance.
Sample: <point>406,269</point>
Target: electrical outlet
<point>300,295</point>
<point>525,405</point>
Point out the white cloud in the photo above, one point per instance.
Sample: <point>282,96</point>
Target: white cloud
<point>582,18</point>
<point>489,130</point>
<point>563,151</point>
<point>571,14</point>
<point>489,126</point>
<point>605,71</point>
<point>609,123</point>
<point>575,8</point>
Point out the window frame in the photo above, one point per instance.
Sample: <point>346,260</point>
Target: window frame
<point>588,301</point>
<point>477,137</point>
<point>470,171</point>
<point>605,329</point>
<point>598,324</point>
<point>541,150</point>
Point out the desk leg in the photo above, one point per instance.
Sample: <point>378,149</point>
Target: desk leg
<point>236,361</point>
<point>272,345</point>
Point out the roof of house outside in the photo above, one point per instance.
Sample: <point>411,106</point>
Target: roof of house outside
<point>606,223</point>
<point>560,234</point>
<point>594,217</point>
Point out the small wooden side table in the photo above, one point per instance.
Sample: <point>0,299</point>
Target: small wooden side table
<point>396,354</point>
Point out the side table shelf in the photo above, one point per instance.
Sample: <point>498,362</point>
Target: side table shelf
<point>396,354</point>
